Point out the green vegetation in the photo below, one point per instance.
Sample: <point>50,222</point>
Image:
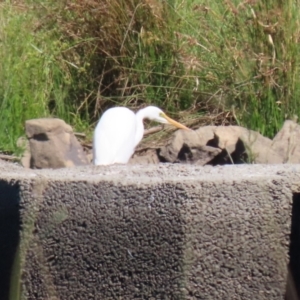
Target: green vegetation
<point>234,61</point>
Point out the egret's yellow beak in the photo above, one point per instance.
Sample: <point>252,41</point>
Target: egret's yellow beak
<point>174,123</point>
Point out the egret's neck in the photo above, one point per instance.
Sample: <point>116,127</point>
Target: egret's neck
<point>140,116</point>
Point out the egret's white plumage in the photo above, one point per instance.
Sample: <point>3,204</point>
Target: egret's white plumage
<point>120,130</point>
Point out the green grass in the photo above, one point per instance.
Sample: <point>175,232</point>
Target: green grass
<point>34,77</point>
<point>74,59</point>
<point>248,55</point>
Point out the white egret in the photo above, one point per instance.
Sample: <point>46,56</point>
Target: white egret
<point>119,131</point>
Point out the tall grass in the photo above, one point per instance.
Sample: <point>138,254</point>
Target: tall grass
<point>247,57</point>
<point>73,59</point>
<point>32,77</point>
<point>126,51</point>
<point>239,56</point>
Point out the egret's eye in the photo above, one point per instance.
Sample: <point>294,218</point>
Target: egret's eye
<point>161,114</point>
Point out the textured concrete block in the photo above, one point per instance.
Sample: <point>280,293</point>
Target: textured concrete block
<point>155,232</point>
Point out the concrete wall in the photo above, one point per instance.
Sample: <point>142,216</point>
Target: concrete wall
<point>149,232</point>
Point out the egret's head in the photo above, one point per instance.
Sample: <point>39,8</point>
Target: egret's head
<point>156,114</point>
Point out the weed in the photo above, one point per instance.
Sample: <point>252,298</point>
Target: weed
<point>74,59</point>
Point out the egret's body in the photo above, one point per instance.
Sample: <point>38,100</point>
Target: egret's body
<point>120,130</point>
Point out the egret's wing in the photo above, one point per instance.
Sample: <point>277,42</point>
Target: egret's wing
<point>114,137</point>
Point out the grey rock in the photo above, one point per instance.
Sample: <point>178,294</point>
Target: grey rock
<point>246,145</point>
<point>53,144</point>
<point>220,145</point>
<point>23,143</point>
<point>148,156</point>
<point>199,155</point>
<point>187,140</point>
<point>286,142</point>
